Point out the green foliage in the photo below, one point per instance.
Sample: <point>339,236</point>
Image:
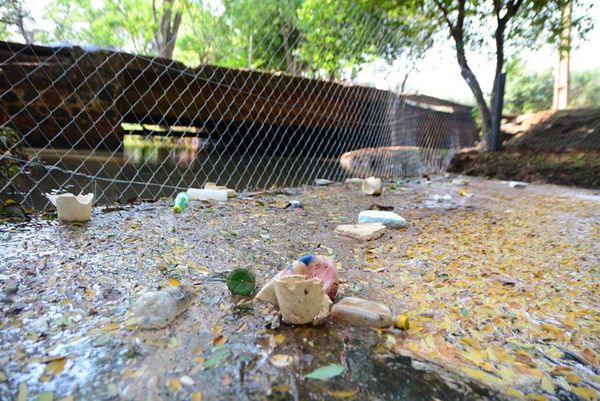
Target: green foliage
<point>11,148</point>
<point>340,35</point>
<point>530,91</point>
<point>328,38</point>
<point>499,25</point>
<point>527,91</point>
<point>585,89</point>
<point>125,24</point>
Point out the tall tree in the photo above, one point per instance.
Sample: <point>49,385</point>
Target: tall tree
<point>265,34</point>
<point>167,17</point>
<point>142,26</point>
<point>473,24</point>
<point>14,13</point>
<point>204,37</point>
<point>339,36</point>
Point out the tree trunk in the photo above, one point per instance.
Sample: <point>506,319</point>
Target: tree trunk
<point>473,83</point>
<point>289,60</point>
<point>499,37</point>
<point>168,29</point>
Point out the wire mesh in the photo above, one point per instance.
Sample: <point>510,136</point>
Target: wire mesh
<point>128,124</point>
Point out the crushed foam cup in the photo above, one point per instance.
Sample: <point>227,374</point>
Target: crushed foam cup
<point>301,300</point>
<point>311,266</point>
<point>72,208</point>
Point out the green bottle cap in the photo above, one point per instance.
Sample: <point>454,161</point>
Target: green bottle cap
<point>241,281</point>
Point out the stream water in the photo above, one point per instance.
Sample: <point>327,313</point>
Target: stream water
<point>150,168</point>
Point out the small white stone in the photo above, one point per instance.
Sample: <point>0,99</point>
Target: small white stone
<point>364,232</point>
<point>442,198</point>
<point>322,182</point>
<point>517,184</point>
<point>372,186</point>
<point>460,182</point>
<point>388,219</point>
<point>281,360</point>
<point>186,381</point>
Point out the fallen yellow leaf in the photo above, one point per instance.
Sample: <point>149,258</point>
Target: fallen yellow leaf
<point>343,394</point>
<point>174,384</point>
<point>197,396</point>
<point>536,397</point>
<point>219,340</point>
<point>482,376</point>
<point>513,392</point>
<point>547,385</point>
<point>279,338</point>
<point>89,293</point>
<point>56,366</point>
<point>587,393</point>
<point>110,327</point>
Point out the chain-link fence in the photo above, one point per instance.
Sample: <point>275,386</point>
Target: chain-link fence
<point>122,125</point>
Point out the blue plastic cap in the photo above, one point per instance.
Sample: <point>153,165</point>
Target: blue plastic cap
<point>306,259</point>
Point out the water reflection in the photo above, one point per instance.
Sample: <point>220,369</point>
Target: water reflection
<point>149,167</point>
<point>154,150</point>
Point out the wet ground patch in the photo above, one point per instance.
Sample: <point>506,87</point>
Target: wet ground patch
<point>500,285</point>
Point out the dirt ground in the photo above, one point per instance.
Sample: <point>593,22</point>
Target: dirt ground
<point>579,168</point>
<point>501,286</point>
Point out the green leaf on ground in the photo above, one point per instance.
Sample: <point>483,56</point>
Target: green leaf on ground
<point>218,355</point>
<point>326,372</point>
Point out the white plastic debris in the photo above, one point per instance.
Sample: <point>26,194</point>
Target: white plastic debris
<point>460,182</point>
<point>353,180</point>
<point>363,232</point>
<point>517,184</point>
<point>157,309</point>
<point>372,186</point>
<point>281,360</point>
<point>294,204</point>
<point>442,198</point>
<point>388,219</point>
<point>230,192</point>
<point>301,300</point>
<point>71,207</point>
<point>219,195</point>
<point>322,182</point>
<point>303,290</point>
<point>362,312</point>
<point>186,381</point>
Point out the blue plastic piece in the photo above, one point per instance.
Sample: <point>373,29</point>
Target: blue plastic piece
<point>306,259</point>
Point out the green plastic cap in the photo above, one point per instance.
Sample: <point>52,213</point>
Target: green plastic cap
<point>241,281</point>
